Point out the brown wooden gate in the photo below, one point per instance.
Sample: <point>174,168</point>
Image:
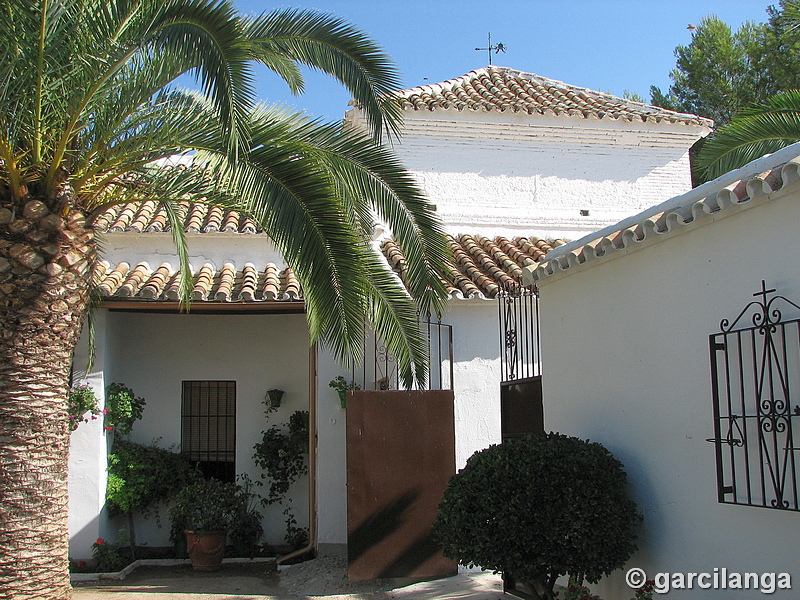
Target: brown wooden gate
<point>400,455</point>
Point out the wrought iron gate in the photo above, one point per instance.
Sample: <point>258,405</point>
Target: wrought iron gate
<point>379,371</point>
<point>521,410</point>
<point>755,380</point>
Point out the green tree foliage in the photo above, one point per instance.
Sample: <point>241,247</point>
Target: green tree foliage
<point>771,124</point>
<point>718,72</point>
<point>742,80</point>
<point>537,508</point>
<point>780,59</point>
<point>721,71</point>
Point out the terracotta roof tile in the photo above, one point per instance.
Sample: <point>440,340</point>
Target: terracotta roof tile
<point>147,217</point>
<point>481,265</point>
<point>210,284</point>
<point>504,89</point>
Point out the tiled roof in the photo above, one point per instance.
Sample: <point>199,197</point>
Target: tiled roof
<point>211,284</point>
<point>738,189</point>
<point>500,88</point>
<point>147,217</point>
<point>482,265</point>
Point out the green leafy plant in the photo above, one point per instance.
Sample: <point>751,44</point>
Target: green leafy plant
<point>281,453</point>
<point>110,557</point>
<point>272,400</point>
<point>537,508</point>
<point>246,530</point>
<point>296,537</point>
<point>646,591</point>
<point>82,401</point>
<point>576,591</point>
<point>340,384</point>
<point>123,408</point>
<point>208,505</point>
<point>141,477</point>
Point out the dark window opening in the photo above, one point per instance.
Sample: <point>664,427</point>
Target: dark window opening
<point>208,427</point>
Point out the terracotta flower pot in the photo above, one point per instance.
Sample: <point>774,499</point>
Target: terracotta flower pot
<point>206,550</point>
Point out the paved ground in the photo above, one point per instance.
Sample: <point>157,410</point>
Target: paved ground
<point>322,578</point>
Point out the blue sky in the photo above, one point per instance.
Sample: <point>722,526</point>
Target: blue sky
<point>607,45</point>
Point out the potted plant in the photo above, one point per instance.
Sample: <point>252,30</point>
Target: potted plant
<point>273,398</point>
<point>81,401</point>
<point>342,387</point>
<point>205,510</point>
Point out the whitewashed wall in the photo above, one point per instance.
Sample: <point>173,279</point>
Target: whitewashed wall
<point>154,353</point>
<point>517,174</point>
<point>626,364</point>
<point>216,248</point>
<point>88,452</point>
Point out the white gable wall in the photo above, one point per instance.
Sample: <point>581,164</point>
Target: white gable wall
<point>627,365</point>
<point>517,174</point>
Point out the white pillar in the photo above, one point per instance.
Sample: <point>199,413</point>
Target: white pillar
<point>88,451</point>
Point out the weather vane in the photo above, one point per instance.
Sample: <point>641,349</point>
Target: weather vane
<point>497,49</point>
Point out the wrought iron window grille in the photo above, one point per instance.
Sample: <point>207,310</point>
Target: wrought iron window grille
<point>755,384</point>
<point>519,332</point>
<point>379,369</point>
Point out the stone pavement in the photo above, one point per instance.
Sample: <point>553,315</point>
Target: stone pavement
<point>323,578</point>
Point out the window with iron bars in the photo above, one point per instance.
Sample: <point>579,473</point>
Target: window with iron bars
<point>755,381</point>
<point>208,427</point>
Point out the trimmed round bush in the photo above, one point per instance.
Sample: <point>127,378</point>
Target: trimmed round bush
<point>540,507</point>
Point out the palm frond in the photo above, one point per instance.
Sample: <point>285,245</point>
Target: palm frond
<point>331,45</point>
<point>757,131</point>
<point>294,200</point>
<point>394,315</point>
<point>374,178</point>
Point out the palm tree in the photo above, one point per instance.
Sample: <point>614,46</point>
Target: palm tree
<point>87,104</point>
<point>751,134</point>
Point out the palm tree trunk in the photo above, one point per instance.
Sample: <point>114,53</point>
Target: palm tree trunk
<point>45,276</point>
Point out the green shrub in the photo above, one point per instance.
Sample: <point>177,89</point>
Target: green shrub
<point>109,557</point>
<point>540,507</point>
<point>140,477</point>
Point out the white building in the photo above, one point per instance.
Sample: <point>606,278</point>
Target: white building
<point>513,162</point>
<point>640,323</point>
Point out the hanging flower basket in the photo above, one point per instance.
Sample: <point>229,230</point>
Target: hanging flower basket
<point>274,397</point>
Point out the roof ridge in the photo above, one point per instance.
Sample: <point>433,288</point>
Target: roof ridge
<point>501,88</point>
